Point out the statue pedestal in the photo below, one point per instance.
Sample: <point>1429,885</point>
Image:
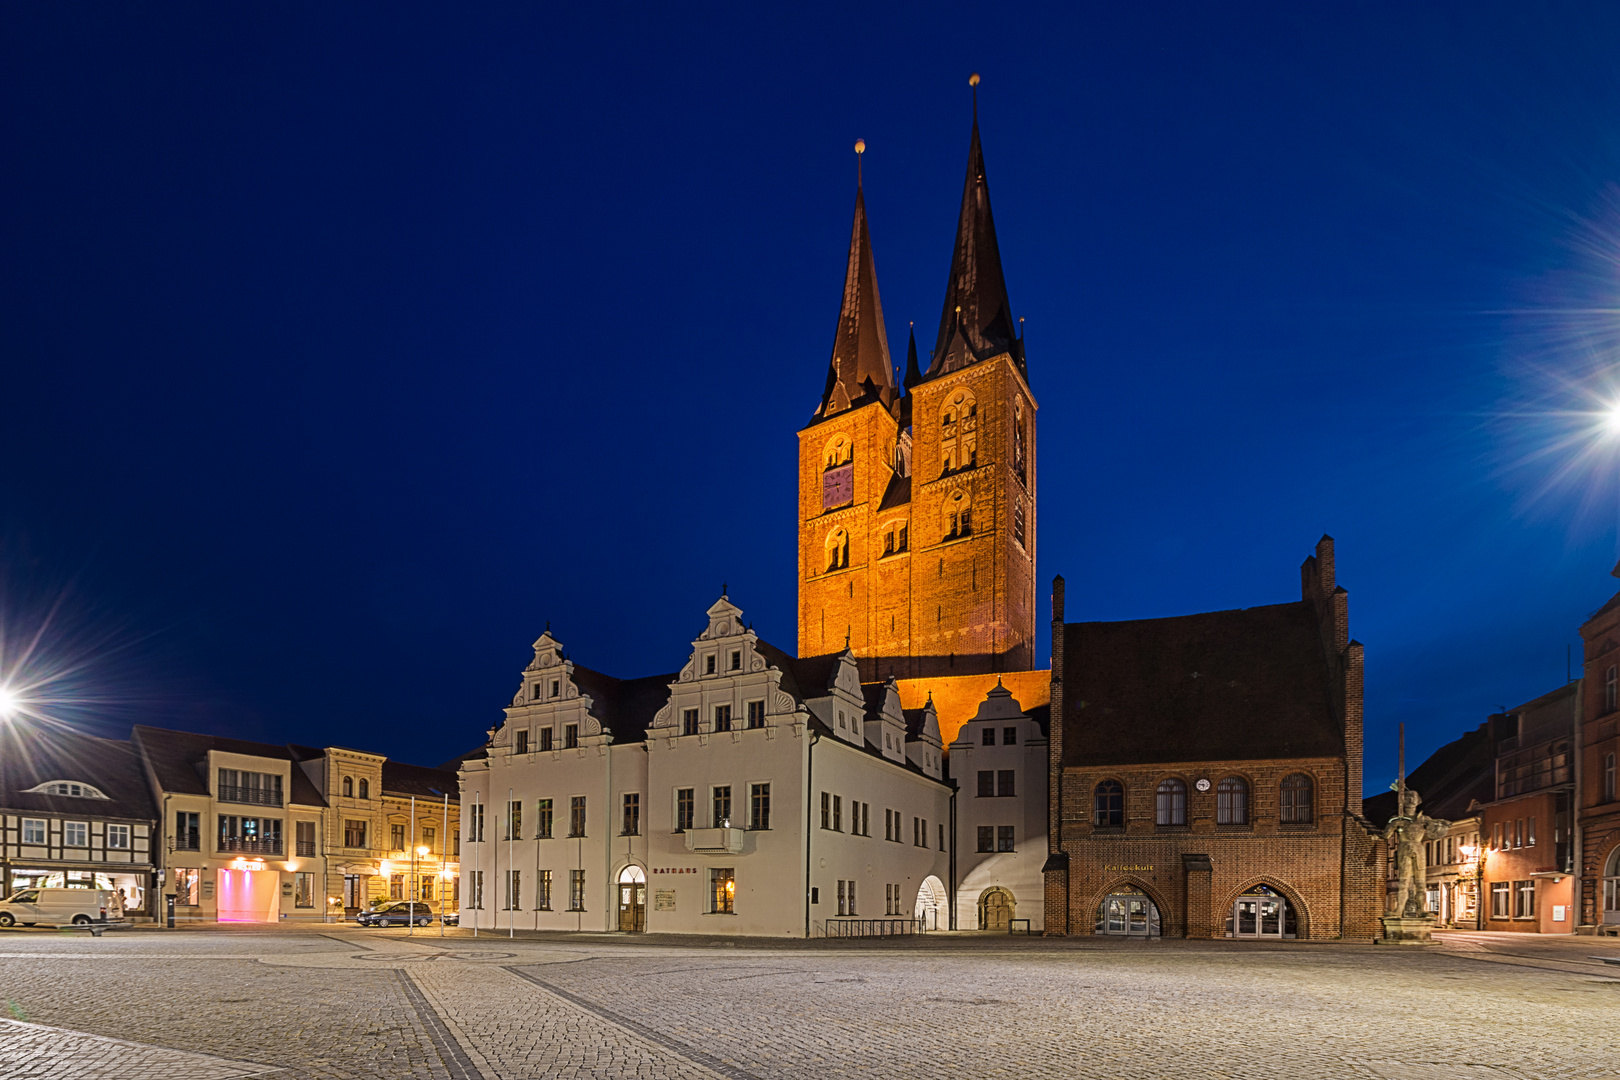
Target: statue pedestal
<point>1400,930</point>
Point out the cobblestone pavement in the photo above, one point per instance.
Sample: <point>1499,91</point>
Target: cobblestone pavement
<point>301,1003</point>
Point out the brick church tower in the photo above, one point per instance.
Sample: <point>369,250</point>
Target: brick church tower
<point>917,502</point>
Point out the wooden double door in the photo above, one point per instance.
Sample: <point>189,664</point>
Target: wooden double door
<point>632,907</point>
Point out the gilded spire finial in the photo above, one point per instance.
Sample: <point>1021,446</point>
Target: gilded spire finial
<point>860,150</point>
<point>973,81</point>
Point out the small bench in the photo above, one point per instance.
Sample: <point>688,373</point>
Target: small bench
<point>1012,926</point>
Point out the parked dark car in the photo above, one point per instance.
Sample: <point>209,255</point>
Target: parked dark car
<point>452,918</point>
<point>396,913</point>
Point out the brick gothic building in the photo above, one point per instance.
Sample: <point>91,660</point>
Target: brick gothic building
<point>917,502</point>
<point>1598,778</point>
<point>1206,773</point>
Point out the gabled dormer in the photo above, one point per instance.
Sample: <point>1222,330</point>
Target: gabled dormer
<point>924,746</point>
<point>550,713</point>
<point>885,721</point>
<point>838,701</point>
<point>730,684</point>
<point>726,647</point>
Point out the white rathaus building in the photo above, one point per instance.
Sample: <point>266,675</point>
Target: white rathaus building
<point>751,793</point>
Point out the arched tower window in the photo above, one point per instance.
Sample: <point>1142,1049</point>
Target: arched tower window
<point>1170,803</point>
<point>1232,802</point>
<point>1108,805</point>
<point>365,788</point>
<point>348,787</point>
<point>958,432</point>
<point>894,538</point>
<point>958,516</point>
<point>836,550</point>
<point>1020,465</point>
<point>1296,804</point>
<point>838,472</point>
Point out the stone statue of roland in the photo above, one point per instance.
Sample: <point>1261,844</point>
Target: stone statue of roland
<point>1406,834</point>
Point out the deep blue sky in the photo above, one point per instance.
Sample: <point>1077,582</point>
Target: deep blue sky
<point>341,350</point>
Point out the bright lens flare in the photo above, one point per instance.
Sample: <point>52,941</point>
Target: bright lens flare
<point>1611,420</point>
<point>9,703</point>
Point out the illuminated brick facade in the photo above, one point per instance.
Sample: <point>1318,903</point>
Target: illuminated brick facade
<point>917,504</point>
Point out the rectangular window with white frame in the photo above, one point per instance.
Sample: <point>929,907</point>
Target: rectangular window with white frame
<point>576,890</point>
<point>542,891</point>
<point>1501,900</point>
<point>75,834</point>
<point>685,808</point>
<point>33,830</point>
<point>118,837</point>
<point>1524,899</point>
<point>722,890</point>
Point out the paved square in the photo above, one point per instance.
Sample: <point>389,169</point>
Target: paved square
<point>300,1003</point>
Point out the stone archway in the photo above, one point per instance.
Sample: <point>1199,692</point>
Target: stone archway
<point>997,909</point>
<point>1293,918</point>
<point>1092,916</point>
<point>933,904</point>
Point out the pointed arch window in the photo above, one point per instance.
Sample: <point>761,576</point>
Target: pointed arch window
<point>958,432</point>
<point>1108,805</point>
<point>1020,452</point>
<point>1232,801</point>
<point>838,472</point>
<point>836,550</point>
<point>1297,805</point>
<point>1170,803</point>
<point>958,516</point>
<point>348,787</point>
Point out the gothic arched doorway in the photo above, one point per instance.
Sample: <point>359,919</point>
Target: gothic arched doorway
<point>996,909</point>
<point>1128,915</point>
<point>1263,912</point>
<point>932,903</point>
<point>632,899</point>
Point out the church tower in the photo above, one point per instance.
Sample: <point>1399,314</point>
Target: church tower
<point>917,507</point>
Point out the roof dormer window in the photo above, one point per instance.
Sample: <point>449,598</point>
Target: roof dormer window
<point>72,788</point>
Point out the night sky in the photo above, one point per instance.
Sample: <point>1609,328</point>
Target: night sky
<point>342,349</point>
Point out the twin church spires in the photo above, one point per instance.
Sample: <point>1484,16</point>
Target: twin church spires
<point>917,500</point>
<point>976,321</point>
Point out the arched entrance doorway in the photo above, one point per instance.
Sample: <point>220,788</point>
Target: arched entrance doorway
<point>997,909</point>
<point>931,903</point>
<point>1611,887</point>
<point>632,899</point>
<point>1128,915</point>
<point>1263,912</point>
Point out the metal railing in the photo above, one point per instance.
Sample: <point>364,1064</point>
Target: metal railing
<point>243,845</point>
<point>251,795</point>
<point>871,927</point>
<point>306,849</point>
<point>187,842</point>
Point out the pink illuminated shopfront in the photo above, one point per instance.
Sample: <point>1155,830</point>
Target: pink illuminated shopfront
<point>247,891</point>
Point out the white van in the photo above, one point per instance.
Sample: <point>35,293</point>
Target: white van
<point>57,907</point>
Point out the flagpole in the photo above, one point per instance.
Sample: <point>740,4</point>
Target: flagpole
<point>444,861</point>
<point>511,861</point>
<point>410,838</point>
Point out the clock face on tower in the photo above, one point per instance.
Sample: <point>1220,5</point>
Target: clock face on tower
<point>838,486</point>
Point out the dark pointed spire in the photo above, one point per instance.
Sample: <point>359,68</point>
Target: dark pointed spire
<point>913,372</point>
<point>860,369</point>
<point>976,323</point>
